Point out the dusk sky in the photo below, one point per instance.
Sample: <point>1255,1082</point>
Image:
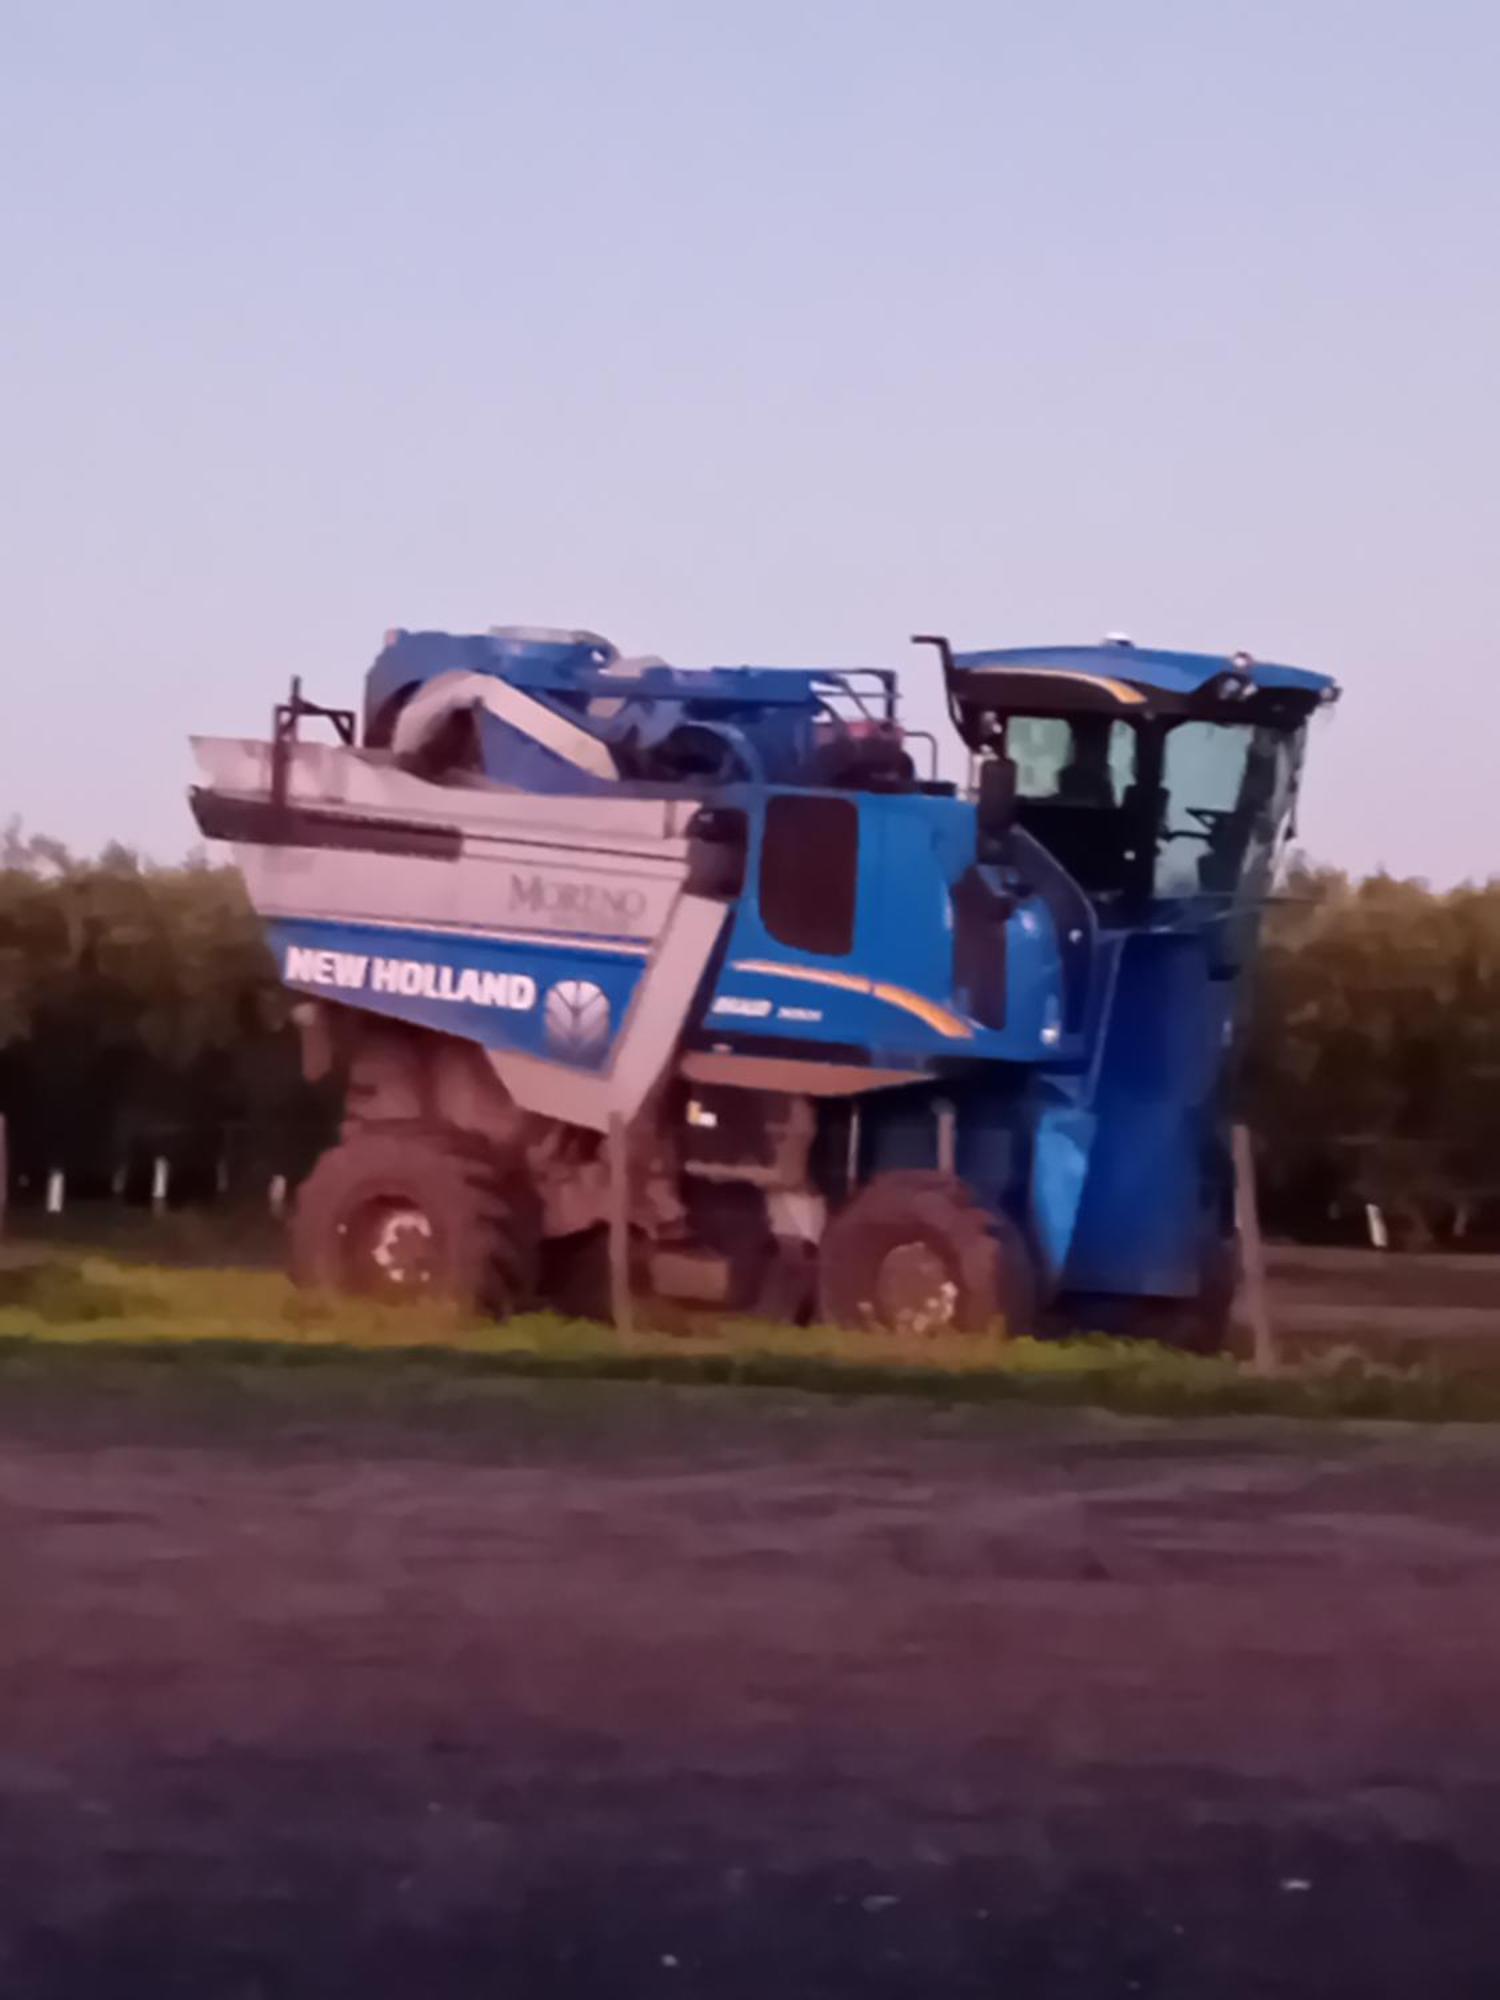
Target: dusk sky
<point>768,332</point>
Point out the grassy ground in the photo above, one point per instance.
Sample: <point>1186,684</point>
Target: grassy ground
<point>76,1303</point>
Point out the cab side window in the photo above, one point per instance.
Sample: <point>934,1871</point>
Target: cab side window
<point>1076,793</point>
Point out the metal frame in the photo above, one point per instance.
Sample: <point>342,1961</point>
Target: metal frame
<point>285,718</point>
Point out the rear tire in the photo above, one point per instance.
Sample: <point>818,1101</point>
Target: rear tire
<point>407,1214</point>
<point>916,1253</point>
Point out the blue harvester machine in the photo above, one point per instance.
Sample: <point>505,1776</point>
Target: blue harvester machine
<point>714,954</point>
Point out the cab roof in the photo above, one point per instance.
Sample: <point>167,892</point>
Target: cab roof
<point>1147,670</point>
<point>1136,683</point>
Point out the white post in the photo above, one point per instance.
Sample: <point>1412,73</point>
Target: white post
<point>160,1181</point>
<point>1375,1223</point>
<point>851,1152</point>
<point>56,1191</point>
<point>276,1196</point>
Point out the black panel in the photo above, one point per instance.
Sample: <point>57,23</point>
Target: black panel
<point>809,871</point>
<point>981,701</point>
<point>1099,846</point>
<point>262,823</point>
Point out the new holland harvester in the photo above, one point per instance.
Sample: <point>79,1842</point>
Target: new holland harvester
<point>716,954</point>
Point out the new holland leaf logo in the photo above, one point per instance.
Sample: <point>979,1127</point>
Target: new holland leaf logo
<point>577,1017</point>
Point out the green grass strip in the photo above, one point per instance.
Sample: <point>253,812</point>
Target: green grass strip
<point>90,1304</point>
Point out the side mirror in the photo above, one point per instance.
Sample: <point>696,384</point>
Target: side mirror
<point>997,801</point>
<point>717,837</point>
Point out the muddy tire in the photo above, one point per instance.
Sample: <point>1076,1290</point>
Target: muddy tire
<point>409,1214</point>
<point>916,1253</point>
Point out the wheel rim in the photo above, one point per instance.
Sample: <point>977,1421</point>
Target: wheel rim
<point>390,1247</point>
<point>914,1291</point>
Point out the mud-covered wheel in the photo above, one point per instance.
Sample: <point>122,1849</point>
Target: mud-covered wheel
<point>408,1215</point>
<point>916,1253</point>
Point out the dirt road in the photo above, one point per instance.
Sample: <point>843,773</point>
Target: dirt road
<point>573,1691</point>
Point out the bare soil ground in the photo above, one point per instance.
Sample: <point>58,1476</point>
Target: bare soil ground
<point>1436,1308</point>
<point>334,1683</point>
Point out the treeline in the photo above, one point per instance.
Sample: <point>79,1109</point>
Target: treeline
<point>1373,1069</point>
<point>140,1017</point>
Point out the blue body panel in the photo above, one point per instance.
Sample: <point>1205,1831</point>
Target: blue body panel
<point>891,994</point>
<point>1151,1201</point>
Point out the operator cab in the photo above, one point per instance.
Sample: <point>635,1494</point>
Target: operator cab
<point>1151,777</point>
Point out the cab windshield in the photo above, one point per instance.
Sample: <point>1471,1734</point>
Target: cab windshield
<point>1169,810</point>
<point>1225,789</point>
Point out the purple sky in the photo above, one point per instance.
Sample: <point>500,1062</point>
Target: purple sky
<point>770,332</point>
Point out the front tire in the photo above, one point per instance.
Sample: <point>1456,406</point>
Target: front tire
<point>412,1214</point>
<point>916,1254</point>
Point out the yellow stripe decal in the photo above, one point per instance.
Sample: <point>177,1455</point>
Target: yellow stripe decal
<point>946,1023</point>
<point>1121,690</point>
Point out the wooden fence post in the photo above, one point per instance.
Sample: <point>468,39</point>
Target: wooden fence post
<point>1253,1298</point>
<point>621,1303</point>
